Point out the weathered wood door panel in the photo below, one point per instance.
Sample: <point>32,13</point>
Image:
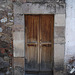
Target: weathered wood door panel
<point>39,42</point>
<point>31,52</point>
<point>46,42</point>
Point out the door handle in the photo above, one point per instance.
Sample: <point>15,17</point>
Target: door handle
<point>40,42</point>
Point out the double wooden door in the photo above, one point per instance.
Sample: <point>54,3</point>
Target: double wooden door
<point>39,43</point>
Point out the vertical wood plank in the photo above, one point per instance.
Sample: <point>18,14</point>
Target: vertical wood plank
<point>32,23</point>
<point>39,42</point>
<point>46,43</point>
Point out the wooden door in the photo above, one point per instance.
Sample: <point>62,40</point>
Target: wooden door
<point>39,42</point>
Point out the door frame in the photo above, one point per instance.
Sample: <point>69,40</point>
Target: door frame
<point>52,32</point>
<point>18,30</point>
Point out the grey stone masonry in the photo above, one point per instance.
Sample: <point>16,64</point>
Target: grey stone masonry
<point>56,7</point>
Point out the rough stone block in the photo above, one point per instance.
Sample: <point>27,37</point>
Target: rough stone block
<point>18,28</point>
<point>4,20</point>
<point>17,9</point>
<point>60,9</point>
<point>19,66</point>
<point>59,40</point>
<point>59,31</point>
<point>60,1</point>
<point>18,19</point>
<point>18,62</point>
<point>38,8</point>
<point>60,20</point>
<point>18,36</point>
<point>59,59</point>
<point>1,1</point>
<point>59,52</point>
<point>18,44</point>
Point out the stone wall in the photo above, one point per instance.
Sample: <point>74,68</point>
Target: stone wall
<point>59,43</point>
<point>9,28</point>
<point>56,7</point>
<point>6,40</point>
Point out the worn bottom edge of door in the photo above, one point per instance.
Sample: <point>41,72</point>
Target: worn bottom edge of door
<point>39,73</point>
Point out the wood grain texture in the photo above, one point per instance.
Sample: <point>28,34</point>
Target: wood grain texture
<point>46,42</point>
<point>39,42</point>
<point>31,52</point>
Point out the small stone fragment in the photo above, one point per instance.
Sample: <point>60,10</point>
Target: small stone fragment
<point>1,29</point>
<point>4,20</point>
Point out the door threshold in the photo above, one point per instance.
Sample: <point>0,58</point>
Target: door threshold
<point>39,73</point>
